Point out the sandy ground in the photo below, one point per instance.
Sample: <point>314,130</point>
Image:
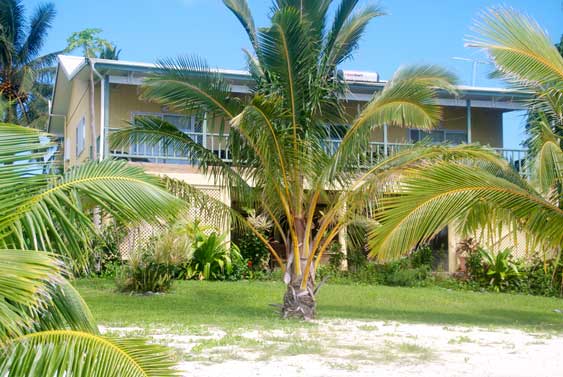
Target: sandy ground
<point>363,348</point>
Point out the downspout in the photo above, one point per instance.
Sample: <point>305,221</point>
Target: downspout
<point>102,110</point>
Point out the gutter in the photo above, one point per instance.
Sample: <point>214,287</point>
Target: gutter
<point>102,110</point>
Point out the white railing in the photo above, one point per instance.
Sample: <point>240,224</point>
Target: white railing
<point>219,145</point>
<point>214,142</point>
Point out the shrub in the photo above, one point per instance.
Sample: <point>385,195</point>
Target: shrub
<point>144,274</point>
<point>106,258</point>
<point>408,277</point>
<point>152,267</point>
<point>500,269</point>
<point>253,250</point>
<point>474,264</point>
<point>211,259</point>
<point>422,256</point>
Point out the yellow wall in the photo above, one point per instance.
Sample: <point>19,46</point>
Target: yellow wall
<point>79,107</point>
<point>486,123</point>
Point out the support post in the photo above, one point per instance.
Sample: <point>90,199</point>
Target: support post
<point>204,129</point>
<point>468,121</point>
<point>385,141</point>
<point>105,118</point>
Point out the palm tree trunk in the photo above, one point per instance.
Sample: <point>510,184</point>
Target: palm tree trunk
<point>299,302</point>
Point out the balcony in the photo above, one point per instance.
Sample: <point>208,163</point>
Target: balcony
<point>219,145</point>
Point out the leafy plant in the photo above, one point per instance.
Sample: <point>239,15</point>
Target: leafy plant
<point>253,250</point>
<point>474,263</point>
<point>106,257</point>
<point>212,259</point>
<point>500,269</point>
<point>422,257</point>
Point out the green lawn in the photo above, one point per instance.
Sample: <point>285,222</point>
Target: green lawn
<point>246,304</point>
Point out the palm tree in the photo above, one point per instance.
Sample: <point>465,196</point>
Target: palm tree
<point>478,197</point>
<point>110,53</point>
<point>46,329</point>
<point>25,76</point>
<point>277,134</point>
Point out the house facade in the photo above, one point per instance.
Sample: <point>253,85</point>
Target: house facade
<point>474,115</point>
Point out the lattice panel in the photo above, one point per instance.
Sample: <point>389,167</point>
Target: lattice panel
<point>138,237</point>
<point>208,218</point>
<point>507,239</point>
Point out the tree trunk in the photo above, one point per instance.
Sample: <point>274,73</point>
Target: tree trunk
<point>299,303</point>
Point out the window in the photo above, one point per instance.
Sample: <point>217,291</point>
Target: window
<point>80,136</point>
<point>192,125</point>
<point>438,136</point>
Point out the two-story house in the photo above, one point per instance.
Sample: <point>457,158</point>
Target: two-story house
<point>474,115</point>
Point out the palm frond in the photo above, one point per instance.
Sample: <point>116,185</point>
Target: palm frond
<point>431,198</point>
<point>188,85</point>
<point>346,37</point>
<point>407,100</point>
<point>241,11</point>
<point>153,131</point>
<point>43,212</point>
<point>39,24</point>
<point>547,163</point>
<point>520,48</point>
<point>80,354</point>
<point>26,278</point>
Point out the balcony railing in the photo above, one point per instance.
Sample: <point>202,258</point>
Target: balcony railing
<point>219,145</point>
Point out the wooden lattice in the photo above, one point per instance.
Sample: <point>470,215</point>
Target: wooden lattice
<point>138,237</point>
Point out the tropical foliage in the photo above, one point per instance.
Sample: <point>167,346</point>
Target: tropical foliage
<point>481,196</point>
<point>25,76</point>
<point>277,135</point>
<point>45,327</point>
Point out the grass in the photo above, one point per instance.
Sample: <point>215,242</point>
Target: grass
<point>231,305</point>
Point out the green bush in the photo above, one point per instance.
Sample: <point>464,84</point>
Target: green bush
<point>408,277</point>
<point>143,273</point>
<point>253,250</point>
<point>422,257</point>
<point>211,259</point>
<point>105,258</point>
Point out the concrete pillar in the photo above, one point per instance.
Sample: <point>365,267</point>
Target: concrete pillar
<point>468,121</point>
<point>342,240</point>
<point>453,240</point>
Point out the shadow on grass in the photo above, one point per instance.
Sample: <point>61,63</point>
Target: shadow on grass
<point>485,317</point>
<point>247,304</point>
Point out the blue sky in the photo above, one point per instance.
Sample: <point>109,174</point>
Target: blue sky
<point>414,31</point>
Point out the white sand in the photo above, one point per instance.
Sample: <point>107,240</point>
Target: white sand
<point>366,348</point>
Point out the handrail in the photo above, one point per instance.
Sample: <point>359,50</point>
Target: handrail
<point>219,144</point>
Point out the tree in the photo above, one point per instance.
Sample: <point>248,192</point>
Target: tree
<point>89,41</point>
<point>25,76</point>
<point>480,196</point>
<point>110,53</point>
<point>46,328</point>
<point>277,135</point>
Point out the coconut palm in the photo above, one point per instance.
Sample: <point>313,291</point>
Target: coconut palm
<point>46,329</point>
<point>281,161</point>
<point>480,196</point>
<point>25,76</point>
